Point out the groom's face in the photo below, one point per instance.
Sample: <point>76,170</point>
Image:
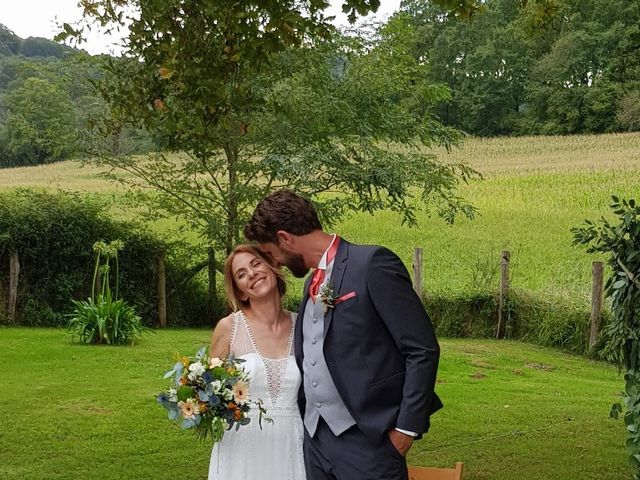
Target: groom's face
<point>284,257</point>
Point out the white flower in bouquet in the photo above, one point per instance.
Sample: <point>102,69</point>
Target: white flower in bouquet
<point>216,385</point>
<point>215,362</point>
<point>196,370</point>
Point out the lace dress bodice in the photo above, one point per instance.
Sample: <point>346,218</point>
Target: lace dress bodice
<point>243,345</point>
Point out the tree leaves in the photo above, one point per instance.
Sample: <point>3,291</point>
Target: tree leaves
<point>621,243</point>
<point>252,96</point>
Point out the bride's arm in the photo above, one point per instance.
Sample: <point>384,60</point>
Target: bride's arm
<point>221,338</point>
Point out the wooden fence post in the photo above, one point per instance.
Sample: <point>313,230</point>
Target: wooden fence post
<point>504,287</point>
<point>417,271</point>
<point>212,300</point>
<point>596,302</point>
<point>14,272</point>
<point>162,291</point>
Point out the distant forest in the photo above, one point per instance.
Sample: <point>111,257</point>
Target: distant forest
<point>556,67</point>
<point>48,101</point>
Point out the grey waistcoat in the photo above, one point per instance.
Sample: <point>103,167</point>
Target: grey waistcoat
<point>322,398</point>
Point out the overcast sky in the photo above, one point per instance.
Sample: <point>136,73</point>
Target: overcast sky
<point>38,18</point>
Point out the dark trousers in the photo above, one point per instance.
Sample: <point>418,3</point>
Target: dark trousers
<point>351,456</point>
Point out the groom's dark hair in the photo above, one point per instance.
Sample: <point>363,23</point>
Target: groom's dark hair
<point>282,210</point>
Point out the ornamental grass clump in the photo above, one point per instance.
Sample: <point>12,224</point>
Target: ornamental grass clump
<point>105,317</point>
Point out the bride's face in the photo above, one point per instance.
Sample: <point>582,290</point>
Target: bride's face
<point>252,276</point>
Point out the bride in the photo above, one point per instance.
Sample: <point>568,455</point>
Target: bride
<point>261,332</point>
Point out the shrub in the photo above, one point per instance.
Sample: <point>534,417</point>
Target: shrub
<point>104,317</point>
<point>53,235</point>
<point>542,319</point>
<point>620,241</point>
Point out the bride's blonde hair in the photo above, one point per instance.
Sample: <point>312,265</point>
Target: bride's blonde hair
<point>231,289</point>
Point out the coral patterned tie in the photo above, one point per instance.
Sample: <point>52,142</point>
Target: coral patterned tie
<point>316,281</point>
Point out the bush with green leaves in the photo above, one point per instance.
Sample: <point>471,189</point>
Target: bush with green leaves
<point>104,317</point>
<point>621,241</point>
<point>533,317</point>
<point>53,234</point>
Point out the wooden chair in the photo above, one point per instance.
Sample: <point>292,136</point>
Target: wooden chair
<point>433,473</point>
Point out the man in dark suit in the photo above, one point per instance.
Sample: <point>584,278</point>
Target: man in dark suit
<point>363,342</point>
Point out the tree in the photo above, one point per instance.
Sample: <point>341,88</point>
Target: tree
<point>9,42</point>
<point>485,60</point>
<point>73,75</point>
<point>536,66</point>
<point>41,47</point>
<point>40,124</point>
<point>255,96</point>
<point>629,110</point>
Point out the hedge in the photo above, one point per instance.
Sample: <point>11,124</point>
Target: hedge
<point>53,234</point>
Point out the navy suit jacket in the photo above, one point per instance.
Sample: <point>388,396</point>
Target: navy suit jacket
<point>380,346</point>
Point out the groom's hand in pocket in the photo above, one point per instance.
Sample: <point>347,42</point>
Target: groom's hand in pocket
<point>401,441</point>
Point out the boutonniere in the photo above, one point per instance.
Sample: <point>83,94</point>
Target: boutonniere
<point>327,297</point>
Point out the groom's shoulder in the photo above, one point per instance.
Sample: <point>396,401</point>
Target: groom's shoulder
<point>370,250</point>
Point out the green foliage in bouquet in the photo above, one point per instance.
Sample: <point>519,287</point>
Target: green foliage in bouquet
<point>209,395</point>
<point>104,317</point>
<point>621,241</point>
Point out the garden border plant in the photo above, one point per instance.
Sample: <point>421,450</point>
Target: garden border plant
<point>105,317</point>
<point>621,241</point>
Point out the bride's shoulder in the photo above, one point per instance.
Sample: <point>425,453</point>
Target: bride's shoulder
<point>225,324</point>
<point>223,328</point>
<point>221,337</point>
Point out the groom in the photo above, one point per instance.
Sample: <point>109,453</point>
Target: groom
<point>363,341</point>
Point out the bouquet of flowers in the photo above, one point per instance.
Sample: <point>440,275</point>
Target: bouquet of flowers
<point>209,395</point>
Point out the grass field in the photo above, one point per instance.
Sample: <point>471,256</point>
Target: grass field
<point>512,411</point>
<point>535,189</point>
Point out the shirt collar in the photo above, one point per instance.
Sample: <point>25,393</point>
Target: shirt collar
<point>323,260</point>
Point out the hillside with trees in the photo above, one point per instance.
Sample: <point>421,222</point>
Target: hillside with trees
<point>512,67</point>
<point>534,68</point>
<point>46,99</point>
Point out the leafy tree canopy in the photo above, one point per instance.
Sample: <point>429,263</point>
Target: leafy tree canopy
<point>261,95</point>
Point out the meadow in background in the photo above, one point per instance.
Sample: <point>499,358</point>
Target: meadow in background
<point>535,189</point>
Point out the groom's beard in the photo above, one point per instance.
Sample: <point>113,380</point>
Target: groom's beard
<point>295,263</point>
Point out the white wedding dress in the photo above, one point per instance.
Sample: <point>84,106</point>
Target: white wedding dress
<point>275,451</point>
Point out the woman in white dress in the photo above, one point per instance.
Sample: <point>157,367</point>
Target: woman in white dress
<point>260,331</point>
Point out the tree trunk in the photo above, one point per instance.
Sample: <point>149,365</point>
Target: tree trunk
<point>232,201</point>
<point>212,299</point>
<point>417,271</point>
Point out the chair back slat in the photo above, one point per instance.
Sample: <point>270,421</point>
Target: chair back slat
<point>433,473</point>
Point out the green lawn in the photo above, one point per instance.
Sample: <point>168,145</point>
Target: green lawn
<point>512,411</point>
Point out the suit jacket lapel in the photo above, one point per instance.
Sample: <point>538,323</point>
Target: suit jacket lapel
<point>297,334</point>
<point>337,273</point>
